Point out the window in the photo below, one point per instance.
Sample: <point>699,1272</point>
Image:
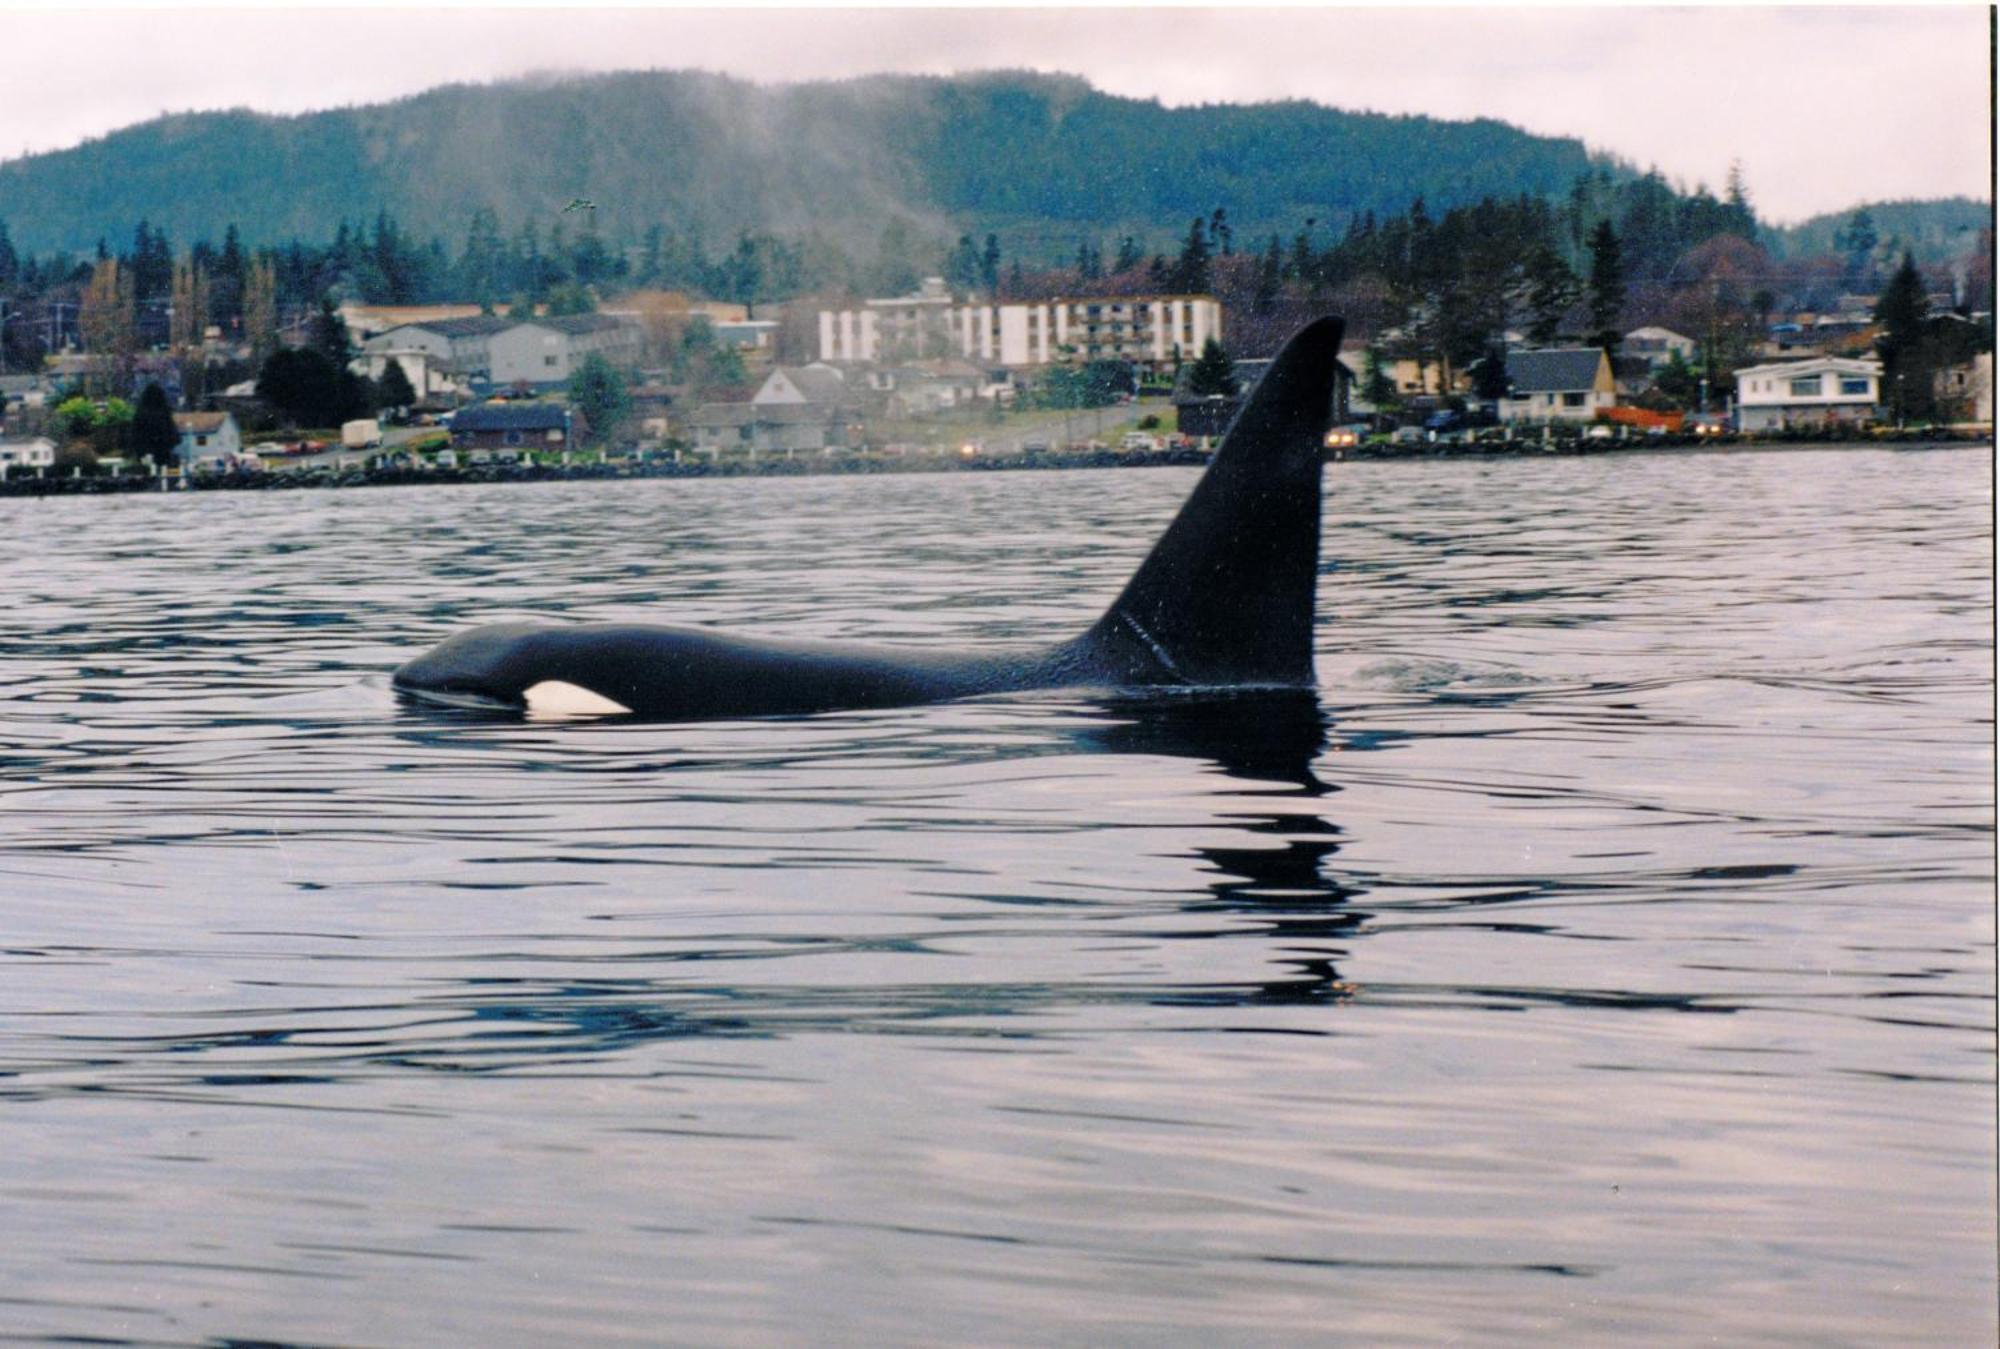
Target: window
<point>1808,386</point>
<point>549,361</point>
<point>1572,400</point>
<point>1854,385</point>
<point>201,440</point>
<point>512,437</point>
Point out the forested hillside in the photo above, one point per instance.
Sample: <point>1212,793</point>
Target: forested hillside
<point>1032,157</point>
<point>1928,228</point>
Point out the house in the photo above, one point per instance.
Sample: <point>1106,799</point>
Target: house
<point>774,428</point>
<point>925,388</point>
<point>38,452</point>
<point>806,407</point>
<point>1632,375</point>
<point>426,375</point>
<point>28,391</point>
<point>1210,416</point>
<point>207,437</point>
<point>1657,346</point>
<point>652,409</point>
<point>546,351</point>
<point>516,426</point>
<point>459,346</point>
<point>1558,384</point>
<point>816,383</point>
<point>1965,390</point>
<point>1822,391</point>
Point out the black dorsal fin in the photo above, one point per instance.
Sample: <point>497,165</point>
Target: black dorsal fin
<point>1226,595</point>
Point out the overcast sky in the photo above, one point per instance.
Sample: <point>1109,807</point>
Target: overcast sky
<point>1825,107</point>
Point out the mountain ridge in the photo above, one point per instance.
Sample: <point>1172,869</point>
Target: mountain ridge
<point>1045,155</point>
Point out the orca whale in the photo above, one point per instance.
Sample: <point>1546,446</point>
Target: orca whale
<point>1224,600</point>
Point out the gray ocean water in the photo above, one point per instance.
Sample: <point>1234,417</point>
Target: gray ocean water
<point>1606,954</point>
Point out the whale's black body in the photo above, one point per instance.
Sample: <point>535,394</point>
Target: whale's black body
<point>1225,599</point>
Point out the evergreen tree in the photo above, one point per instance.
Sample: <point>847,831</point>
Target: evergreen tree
<point>305,387</point>
<point>989,265</point>
<point>1305,263</point>
<point>894,273</point>
<point>154,435</point>
<point>1190,274</point>
<point>1551,291</point>
<point>598,392</point>
<point>230,273</point>
<point>1270,275</point>
<point>1736,202</point>
<point>329,335</point>
<point>1858,241</point>
<point>394,390</point>
<point>1902,310</point>
<point>962,271</point>
<point>1130,255</point>
<point>1607,286</point>
<point>1213,373</point>
<point>1376,387</point>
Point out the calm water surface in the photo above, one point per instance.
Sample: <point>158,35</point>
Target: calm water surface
<point>1605,954</point>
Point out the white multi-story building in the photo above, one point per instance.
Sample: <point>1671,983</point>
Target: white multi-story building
<point>1818,392</point>
<point>1148,330</point>
<point>549,350</point>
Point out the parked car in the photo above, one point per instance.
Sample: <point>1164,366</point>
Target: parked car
<point>1447,420</point>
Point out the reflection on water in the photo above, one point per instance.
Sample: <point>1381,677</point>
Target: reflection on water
<point>1606,949</point>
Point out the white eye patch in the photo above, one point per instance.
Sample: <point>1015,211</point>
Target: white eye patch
<point>554,698</point>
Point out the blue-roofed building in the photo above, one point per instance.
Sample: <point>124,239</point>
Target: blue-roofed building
<point>1558,384</point>
<point>516,426</point>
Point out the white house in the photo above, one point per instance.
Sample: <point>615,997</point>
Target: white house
<point>1657,345</point>
<point>1558,384</point>
<point>427,375</point>
<point>207,437</point>
<point>1824,391</point>
<point>40,452</point>
<point>459,345</point>
<point>549,350</point>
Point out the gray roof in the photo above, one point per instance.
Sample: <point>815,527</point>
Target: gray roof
<point>478,325</point>
<point>1555,370</point>
<point>581,323</point>
<point>818,384</point>
<point>744,414</point>
<point>509,417</point>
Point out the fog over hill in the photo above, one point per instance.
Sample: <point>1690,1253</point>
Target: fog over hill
<point>1040,159</point>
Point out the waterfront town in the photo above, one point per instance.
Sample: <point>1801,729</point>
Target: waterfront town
<point>950,374</point>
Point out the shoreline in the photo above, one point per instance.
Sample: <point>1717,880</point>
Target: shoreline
<point>321,479</point>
